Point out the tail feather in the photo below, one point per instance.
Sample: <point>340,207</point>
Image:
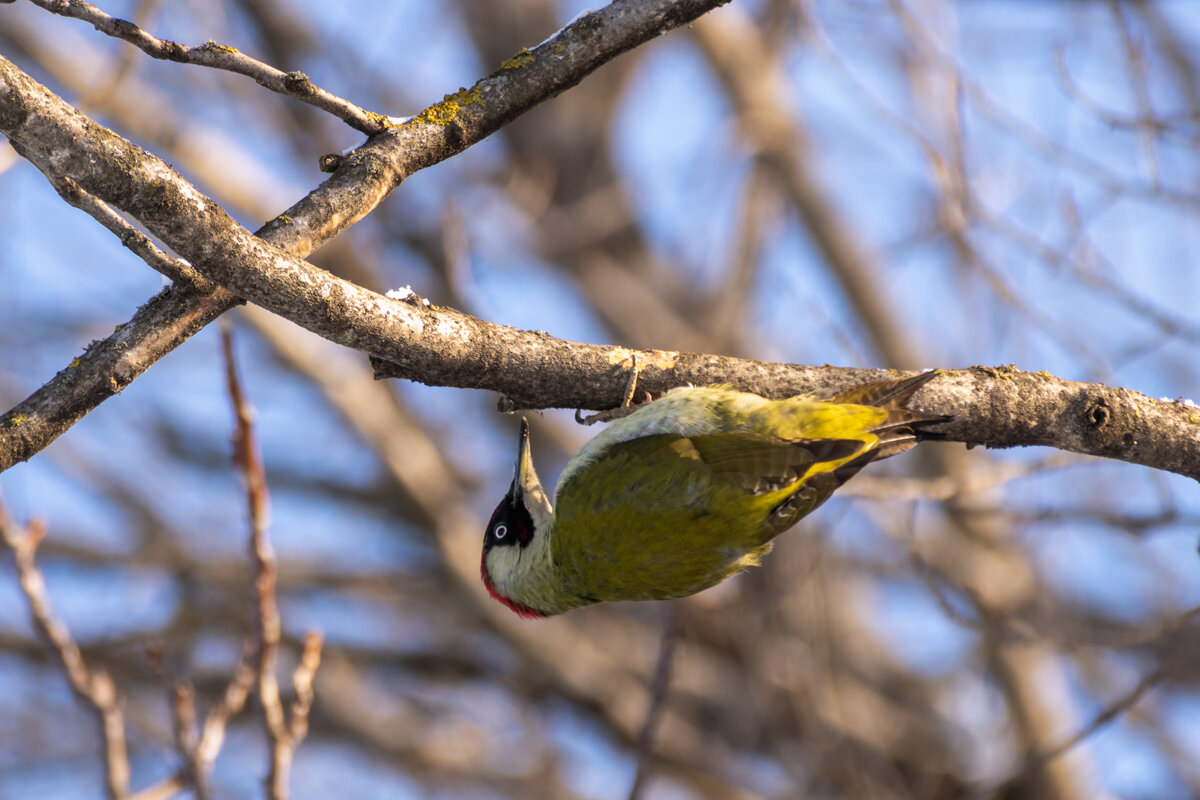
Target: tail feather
<point>887,393</point>
<point>899,431</point>
<point>903,427</point>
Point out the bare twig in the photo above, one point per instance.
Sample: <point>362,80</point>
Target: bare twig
<point>659,686</point>
<point>1136,61</point>
<point>176,269</point>
<point>211,54</point>
<point>96,689</point>
<point>197,753</point>
<point>302,685</point>
<point>187,733</point>
<point>124,64</point>
<point>218,717</point>
<point>200,754</point>
<point>284,736</point>
<point>163,790</point>
<point>1091,268</point>
<point>93,687</point>
<point>1037,141</point>
<point>1040,758</point>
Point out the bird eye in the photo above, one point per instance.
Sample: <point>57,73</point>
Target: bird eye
<point>500,531</point>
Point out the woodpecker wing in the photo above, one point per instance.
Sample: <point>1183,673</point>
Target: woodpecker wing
<point>758,464</point>
<point>748,463</point>
<point>797,474</point>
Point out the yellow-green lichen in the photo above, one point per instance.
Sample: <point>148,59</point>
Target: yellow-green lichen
<point>1003,372</point>
<point>74,363</point>
<point>211,45</point>
<point>443,113</point>
<point>519,60</point>
<point>381,120</point>
<point>560,48</point>
<point>19,419</point>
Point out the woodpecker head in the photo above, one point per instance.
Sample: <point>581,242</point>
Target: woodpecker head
<point>516,535</point>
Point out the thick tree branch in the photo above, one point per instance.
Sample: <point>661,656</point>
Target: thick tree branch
<point>65,143</point>
<point>997,408</point>
<point>106,367</point>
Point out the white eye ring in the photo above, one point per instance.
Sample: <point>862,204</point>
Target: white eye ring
<point>500,531</point>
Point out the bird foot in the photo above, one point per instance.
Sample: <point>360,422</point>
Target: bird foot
<point>627,406</point>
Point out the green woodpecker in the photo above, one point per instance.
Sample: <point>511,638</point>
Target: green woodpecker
<point>684,492</point>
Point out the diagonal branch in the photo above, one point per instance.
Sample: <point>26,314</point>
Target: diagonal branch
<point>61,141</point>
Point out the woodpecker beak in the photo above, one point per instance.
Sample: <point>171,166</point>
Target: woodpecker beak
<point>524,466</point>
<point>526,488</point>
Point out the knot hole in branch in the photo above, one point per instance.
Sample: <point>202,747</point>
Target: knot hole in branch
<point>1098,414</point>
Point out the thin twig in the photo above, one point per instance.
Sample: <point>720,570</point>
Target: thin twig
<point>163,790</point>
<point>211,54</point>
<point>232,703</point>
<point>96,689</point>
<point>187,733</point>
<point>302,684</point>
<point>178,270</point>
<point>1040,758</point>
<point>1136,60</point>
<point>658,696</point>
<point>92,686</point>
<point>979,479</point>
<point>247,457</point>
<point>198,748</point>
